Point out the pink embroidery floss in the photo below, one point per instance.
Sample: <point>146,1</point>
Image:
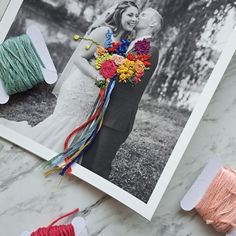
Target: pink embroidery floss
<point>218,205</point>
<point>76,228</point>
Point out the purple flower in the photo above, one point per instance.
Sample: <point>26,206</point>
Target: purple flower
<point>142,46</point>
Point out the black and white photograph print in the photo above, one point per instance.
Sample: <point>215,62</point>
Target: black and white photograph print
<point>142,123</point>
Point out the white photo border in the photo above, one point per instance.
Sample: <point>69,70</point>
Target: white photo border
<point>145,209</point>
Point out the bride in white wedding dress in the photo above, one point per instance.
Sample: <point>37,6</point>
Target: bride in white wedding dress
<point>76,87</point>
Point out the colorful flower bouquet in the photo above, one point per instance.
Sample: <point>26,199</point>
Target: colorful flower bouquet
<point>113,61</point>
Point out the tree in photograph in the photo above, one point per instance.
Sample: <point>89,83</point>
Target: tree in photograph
<point>184,57</point>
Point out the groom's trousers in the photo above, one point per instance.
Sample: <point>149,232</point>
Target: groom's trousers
<point>98,158</point>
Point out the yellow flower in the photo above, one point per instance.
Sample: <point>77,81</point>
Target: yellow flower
<point>126,70</point>
<point>130,73</point>
<point>76,37</point>
<point>87,47</point>
<point>123,76</point>
<point>101,59</point>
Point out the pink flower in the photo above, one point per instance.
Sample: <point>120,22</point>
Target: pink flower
<point>137,78</point>
<point>118,59</point>
<point>108,69</point>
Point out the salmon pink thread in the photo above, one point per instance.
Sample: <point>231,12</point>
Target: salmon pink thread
<point>218,205</point>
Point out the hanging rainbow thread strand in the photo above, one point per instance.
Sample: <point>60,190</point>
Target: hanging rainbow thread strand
<point>75,152</point>
<point>63,161</point>
<point>20,65</point>
<point>91,118</point>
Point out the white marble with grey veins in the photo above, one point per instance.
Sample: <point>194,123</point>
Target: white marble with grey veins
<point>28,200</point>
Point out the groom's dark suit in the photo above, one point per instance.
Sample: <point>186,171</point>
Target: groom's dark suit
<point>118,122</point>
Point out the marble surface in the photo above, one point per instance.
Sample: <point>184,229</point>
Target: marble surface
<point>28,200</point>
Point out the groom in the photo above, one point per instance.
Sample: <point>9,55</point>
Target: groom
<point>121,111</point>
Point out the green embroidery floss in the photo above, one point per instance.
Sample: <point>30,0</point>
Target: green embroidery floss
<point>20,65</point>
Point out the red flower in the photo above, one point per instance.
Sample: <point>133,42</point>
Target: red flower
<point>108,69</point>
<point>114,47</point>
<point>137,78</point>
<point>131,56</point>
<point>147,63</point>
<point>144,57</point>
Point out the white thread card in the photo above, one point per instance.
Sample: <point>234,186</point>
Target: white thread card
<point>200,186</point>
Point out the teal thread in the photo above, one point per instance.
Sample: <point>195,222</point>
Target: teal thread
<point>20,65</point>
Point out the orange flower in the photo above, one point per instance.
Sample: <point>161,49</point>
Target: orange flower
<point>139,66</point>
<point>100,50</point>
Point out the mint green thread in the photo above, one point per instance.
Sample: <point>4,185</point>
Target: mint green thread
<point>20,65</point>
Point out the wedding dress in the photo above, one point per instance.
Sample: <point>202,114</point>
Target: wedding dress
<point>75,102</point>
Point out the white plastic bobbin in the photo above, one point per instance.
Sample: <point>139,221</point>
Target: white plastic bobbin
<point>78,224</point>
<point>200,186</point>
<point>49,72</point>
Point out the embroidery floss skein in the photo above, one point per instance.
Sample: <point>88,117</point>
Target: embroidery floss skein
<point>218,205</point>
<point>213,196</point>
<point>24,62</point>
<point>19,65</point>
<point>76,228</point>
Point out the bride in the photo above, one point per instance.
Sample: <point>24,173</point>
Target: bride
<point>76,87</point>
